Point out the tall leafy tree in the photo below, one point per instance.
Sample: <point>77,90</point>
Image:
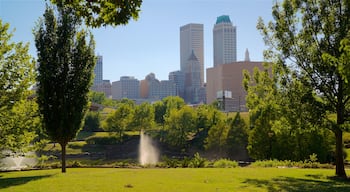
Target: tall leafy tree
<point>103,12</point>
<point>66,61</point>
<point>18,117</point>
<point>311,37</point>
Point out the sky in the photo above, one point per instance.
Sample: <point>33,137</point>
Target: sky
<point>151,44</point>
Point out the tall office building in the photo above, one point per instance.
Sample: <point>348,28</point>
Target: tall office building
<point>225,41</point>
<point>179,78</point>
<point>192,80</point>
<point>98,71</point>
<point>191,39</point>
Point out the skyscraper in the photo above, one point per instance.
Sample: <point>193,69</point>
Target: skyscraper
<point>224,39</point>
<point>191,39</point>
<point>98,71</point>
<point>192,80</point>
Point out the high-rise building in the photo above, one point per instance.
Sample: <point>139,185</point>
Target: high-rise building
<point>225,42</point>
<point>126,87</point>
<point>98,71</point>
<point>179,78</point>
<point>192,79</point>
<point>191,39</point>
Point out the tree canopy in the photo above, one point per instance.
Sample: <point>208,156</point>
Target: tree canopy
<point>103,12</point>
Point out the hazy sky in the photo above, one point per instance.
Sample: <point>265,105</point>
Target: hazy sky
<point>151,44</point>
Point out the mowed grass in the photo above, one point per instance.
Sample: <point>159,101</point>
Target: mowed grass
<point>168,180</point>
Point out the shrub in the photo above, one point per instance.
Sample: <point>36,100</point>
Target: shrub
<point>170,162</point>
<point>109,140</point>
<point>197,161</point>
<point>225,163</point>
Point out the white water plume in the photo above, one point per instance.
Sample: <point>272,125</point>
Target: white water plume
<point>148,153</point>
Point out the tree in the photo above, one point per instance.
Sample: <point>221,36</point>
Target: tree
<point>180,125</point>
<point>217,134</point>
<point>97,97</point>
<point>18,117</point>
<point>103,12</point>
<point>143,116</point>
<point>66,61</point>
<point>262,97</point>
<point>237,138</point>
<point>92,121</point>
<point>120,120</point>
<point>207,117</point>
<point>310,36</point>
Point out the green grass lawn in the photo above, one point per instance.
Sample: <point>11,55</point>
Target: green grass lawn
<point>168,180</point>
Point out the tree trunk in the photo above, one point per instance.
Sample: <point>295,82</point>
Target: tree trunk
<point>339,159</point>
<point>63,156</point>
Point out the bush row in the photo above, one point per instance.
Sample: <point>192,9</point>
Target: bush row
<point>290,164</point>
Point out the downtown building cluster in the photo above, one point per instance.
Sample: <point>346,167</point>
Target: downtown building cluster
<point>223,80</point>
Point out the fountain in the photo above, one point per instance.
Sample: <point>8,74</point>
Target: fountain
<point>14,162</point>
<point>148,153</point>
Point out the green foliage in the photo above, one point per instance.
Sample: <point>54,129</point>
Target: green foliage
<point>21,127</point>
<point>237,137</point>
<point>103,12</point>
<point>180,125</point>
<point>197,161</point>
<point>19,118</point>
<point>207,117</point>
<point>143,118</point>
<point>120,120</point>
<point>92,121</point>
<point>67,61</point>
<point>16,69</point>
<point>97,97</point>
<point>217,134</point>
<point>310,40</point>
<point>225,163</point>
<point>96,140</point>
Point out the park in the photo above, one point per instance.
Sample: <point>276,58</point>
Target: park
<point>295,135</point>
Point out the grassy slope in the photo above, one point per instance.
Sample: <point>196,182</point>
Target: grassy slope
<point>133,180</point>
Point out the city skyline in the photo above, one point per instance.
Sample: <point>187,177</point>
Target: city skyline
<point>151,44</point>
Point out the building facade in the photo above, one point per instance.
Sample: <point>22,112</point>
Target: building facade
<point>98,71</point>
<point>192,80</point>
<point>152,89</point>
<point>191,39</point>
<point>224,41</point>
<point>229,78</point>
<point>178,78</point>
<point>126,87</point>
<point>104,87</point>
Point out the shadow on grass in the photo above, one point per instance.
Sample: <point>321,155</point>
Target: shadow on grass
<point>290,184</point>
<point>9,182</point>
